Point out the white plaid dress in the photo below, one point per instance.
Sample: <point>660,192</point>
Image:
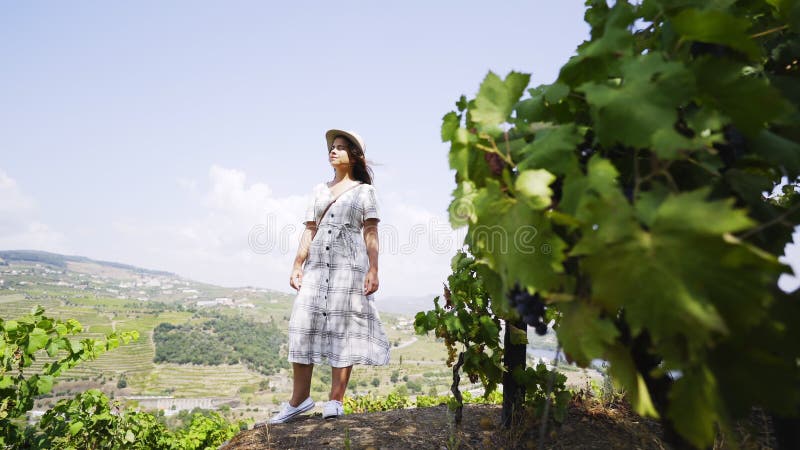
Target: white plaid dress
<point>332,317</point>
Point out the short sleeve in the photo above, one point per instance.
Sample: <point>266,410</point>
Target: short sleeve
<point>370,206</point>
<point>311,212</point>
<point>309,215</point>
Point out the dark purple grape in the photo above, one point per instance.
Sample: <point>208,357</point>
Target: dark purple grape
<point>530,308</point>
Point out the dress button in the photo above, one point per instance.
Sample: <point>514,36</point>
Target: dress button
<point>326,280</point>
<point>331,214</point>
<point>324,314</point>
<point>326,248</point>
<point>329,231</point>
<point>328,264</point>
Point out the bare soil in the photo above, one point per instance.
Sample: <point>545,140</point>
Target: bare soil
<point>587,426</point>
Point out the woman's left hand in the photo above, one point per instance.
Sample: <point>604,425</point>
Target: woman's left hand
<point>371,281</point>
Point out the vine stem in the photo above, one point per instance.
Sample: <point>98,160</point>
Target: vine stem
<point>769,223</point>
<point>770,31</point>
<point>550,381</point>
<point>454,387</point>
<point>494,149</point>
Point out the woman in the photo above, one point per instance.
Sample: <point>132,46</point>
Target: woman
<point>336,274</point>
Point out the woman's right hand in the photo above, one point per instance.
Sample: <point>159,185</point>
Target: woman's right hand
<point>296,279</point>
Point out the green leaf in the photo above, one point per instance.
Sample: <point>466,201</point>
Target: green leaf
<point>75,428</point>
<point>462,208</point>
<point>129,436</point>
<point>599,58</point>
<point>780,151</point>
<point>723,84</point>
<point>595,199</point>
<point>554,149</point>
<point>489,329</point>
<point>622,117</point>
<point>647,202</point>
<point>716,27</point>
<point>692,212</point>
<point>695,391</point>
<point>517,242</point>
<point>556,92</point>
<point>623,372</point>
<point>496,98</point>
<point>680,279</point>
<point>450,123</point>
<point>534,187</point>
<point>584,335</point>
<point>37,340</point>
<point>44,384</point>
<point>518,337</point>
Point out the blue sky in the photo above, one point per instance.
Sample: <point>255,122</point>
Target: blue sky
<point>161,134</point>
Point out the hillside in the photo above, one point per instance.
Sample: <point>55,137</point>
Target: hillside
<point>109,296</point>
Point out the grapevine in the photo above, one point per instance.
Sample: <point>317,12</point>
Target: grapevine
<point>625,200</point>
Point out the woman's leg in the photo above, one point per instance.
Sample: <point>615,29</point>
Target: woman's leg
<point>339,378</point>
<point>302,383</point>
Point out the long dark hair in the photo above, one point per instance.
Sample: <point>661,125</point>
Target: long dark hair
<point>359,168</point>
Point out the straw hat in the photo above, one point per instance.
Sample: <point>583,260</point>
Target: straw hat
<point>331,134</point>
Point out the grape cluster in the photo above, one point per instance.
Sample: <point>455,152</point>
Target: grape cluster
<point>530,308</point>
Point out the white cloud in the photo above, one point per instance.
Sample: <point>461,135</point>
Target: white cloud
<point>246,235</point>
<point>20,225</point>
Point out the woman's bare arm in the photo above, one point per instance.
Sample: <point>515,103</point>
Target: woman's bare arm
<point>296,278</point>
<point>371,242</point>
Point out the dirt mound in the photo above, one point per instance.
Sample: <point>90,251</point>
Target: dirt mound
<point>585,427</point>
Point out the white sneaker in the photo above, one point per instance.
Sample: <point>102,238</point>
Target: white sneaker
<point>332,408</point>
<point>288,411</point>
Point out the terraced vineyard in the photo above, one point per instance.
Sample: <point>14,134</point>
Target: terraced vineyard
<point>195,381</point>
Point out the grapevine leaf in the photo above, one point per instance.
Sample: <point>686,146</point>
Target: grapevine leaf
<point>450,123</point>
<point>553,149</point>
<point>556,92</point>
<point>75,428</point>
<point>462,209</point>
<point>779,151</point>
<point>623,372</point>
<point>596,201</point>
<point>37,339</point>
<point>599,57</point>
<point>489,330</point>
<point>583,333</point>
<point>534,187</point>
<point>695,391</point>
<point>459,153</point>
<point>716,27</point>
<point>44,384</point>
<point>517,242</point>
<point>496,98</point>
<point>6,381</point>
<point>518,336</point>
<point>683,276</point>
<point>691,212</point>
<point>647,202</point>
<point>622,117</point>
<point>722,84</point>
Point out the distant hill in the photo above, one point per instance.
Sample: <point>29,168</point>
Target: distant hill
<point>408,306</point>
<point>58,260</point>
